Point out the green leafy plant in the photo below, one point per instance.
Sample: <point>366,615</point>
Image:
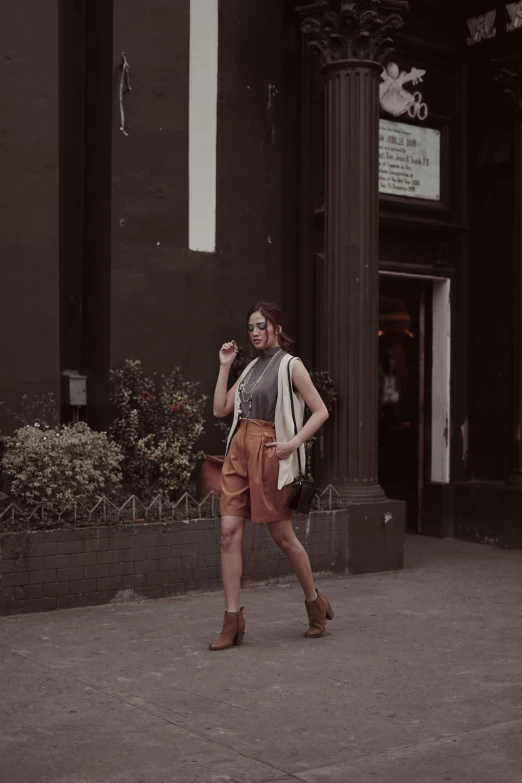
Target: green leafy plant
<point>157,424</point>
<point>41,409</point>
<point>59,466</point>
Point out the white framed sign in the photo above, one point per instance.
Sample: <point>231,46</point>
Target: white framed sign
<point>409,161</point>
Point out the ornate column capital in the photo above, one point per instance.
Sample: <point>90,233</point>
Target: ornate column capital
<point>339,30</point>
<point>509,76</point>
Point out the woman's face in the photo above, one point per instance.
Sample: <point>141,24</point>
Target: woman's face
<point>261,332</point>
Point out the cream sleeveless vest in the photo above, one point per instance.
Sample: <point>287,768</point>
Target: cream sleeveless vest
<point>284,425</point>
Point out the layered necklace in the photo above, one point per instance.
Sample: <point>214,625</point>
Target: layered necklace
<point>246,392</point>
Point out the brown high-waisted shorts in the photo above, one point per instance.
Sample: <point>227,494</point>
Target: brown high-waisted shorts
<point>250,473</point>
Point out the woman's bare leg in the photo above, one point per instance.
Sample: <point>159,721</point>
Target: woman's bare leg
<point>285,538</point>
<point>231,559</point>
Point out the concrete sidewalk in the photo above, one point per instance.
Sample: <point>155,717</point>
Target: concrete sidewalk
<point>419,679</point>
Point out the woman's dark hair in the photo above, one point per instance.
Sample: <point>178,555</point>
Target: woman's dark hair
<point>272,313</point>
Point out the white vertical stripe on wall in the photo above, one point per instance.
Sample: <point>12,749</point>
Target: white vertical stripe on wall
<point>203,83</point>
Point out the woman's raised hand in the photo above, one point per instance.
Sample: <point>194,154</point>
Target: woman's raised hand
<point>228,353</point>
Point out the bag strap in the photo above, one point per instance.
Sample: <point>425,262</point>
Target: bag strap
<point>295,424</point>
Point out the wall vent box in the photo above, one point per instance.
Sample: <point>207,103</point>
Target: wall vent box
<point>75,389</point>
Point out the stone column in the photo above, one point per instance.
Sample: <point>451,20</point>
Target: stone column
<point>509,75</point>
<point>351,41</point>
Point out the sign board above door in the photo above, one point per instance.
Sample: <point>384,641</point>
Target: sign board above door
<point>409,161</point>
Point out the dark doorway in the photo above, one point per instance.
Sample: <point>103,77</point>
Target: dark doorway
<point>403,369</point>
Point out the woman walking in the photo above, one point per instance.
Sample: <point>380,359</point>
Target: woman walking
<point>262,460</point>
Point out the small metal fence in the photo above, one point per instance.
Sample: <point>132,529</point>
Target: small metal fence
<point>15,518</point>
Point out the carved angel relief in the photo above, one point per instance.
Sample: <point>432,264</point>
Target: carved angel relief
<point>482,27</point>
<point>394,99</point>
<point>515,16</point>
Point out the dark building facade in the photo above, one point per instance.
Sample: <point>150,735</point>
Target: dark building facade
<point>166,164</point>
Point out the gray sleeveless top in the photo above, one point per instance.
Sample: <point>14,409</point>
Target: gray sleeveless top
<point>264,398</point>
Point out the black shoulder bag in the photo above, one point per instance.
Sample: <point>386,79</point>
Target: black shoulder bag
<point>303,489</point>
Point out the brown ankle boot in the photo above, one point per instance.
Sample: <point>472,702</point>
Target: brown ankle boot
<point>318,612</point>
<point>233,631</point>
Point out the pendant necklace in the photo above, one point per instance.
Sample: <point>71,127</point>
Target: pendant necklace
<point>246,395</point>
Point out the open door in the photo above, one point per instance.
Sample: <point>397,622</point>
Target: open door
<point>404,384</point>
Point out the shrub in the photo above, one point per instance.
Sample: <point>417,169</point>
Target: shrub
<point>158,421</point>
<point>58,466</point>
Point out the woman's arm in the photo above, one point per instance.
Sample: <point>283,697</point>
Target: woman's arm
<point>304,385</point>
<point>223,400</point>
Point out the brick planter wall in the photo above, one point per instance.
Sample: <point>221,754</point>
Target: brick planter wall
<point>59,569</point>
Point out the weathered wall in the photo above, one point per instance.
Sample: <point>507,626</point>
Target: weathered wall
<point>28,199</point>
<point>488,513</point>
<point>171,306</point>
<point>126,283</point>
<point>492,275</point>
